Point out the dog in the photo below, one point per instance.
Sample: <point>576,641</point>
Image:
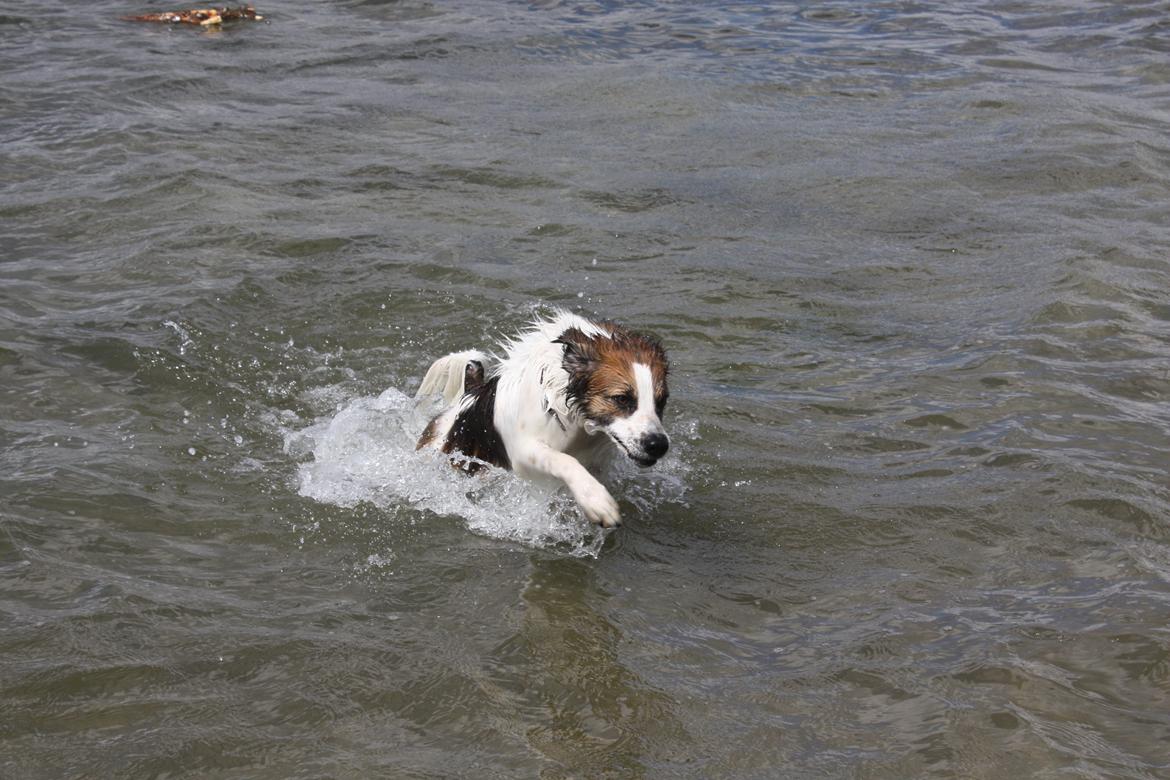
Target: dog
<point>564,394</point>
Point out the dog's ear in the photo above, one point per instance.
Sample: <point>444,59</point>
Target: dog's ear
<point>580,355</point>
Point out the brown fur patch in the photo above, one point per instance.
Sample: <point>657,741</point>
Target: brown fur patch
<point>601,371</point>
<point>473,379</point>
<point>472,432</point>
<point>428,434</point>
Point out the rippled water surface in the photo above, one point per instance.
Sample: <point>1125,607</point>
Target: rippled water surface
<point>911,263</point>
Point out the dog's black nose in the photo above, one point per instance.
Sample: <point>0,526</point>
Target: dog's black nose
<point>655,445</point>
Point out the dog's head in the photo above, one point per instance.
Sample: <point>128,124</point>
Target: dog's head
<point>617,382</point>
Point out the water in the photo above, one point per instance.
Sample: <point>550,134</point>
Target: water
<point>910,263</point>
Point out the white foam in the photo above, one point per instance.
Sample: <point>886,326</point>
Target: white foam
<point>365,453</point>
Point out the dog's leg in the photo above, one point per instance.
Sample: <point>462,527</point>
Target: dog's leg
<point>594,500</point>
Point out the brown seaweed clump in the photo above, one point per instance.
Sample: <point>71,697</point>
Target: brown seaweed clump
<point>201,16</point>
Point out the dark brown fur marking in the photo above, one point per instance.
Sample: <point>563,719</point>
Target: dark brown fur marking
<point>474,433</point>
<point>472,375</point>
<point>428,435</point>
<point>472,380</point>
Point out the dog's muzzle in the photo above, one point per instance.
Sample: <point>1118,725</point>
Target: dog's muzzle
<point>655,445</point>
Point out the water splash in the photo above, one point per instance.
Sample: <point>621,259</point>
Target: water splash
<point>185,340</point>
<point>365,453</point>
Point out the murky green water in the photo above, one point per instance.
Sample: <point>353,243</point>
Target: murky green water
<point>911,264</point>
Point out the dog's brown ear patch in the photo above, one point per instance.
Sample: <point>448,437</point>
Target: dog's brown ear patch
<point>580,360</point>
<point>580,353</point>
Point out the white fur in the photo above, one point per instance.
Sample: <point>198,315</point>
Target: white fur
<point>543,445</point>
<point>630,432</point>
<point>447,375</point>
<point>544,437</point>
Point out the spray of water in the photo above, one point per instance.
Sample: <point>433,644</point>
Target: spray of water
<point>365,453</point>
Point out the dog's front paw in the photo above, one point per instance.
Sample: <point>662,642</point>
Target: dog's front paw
<point>598,505</point>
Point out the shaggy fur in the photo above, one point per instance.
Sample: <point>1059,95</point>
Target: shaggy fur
<point>564,394</point>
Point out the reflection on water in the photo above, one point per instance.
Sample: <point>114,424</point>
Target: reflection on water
<point>910,264</point>
<point>565,669</point>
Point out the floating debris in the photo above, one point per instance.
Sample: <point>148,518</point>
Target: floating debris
<point>204,17</point>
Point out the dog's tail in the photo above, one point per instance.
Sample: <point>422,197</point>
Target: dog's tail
<point>448,375</point>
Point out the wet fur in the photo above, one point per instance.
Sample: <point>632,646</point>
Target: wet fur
<point>473,433</point>
<point>597,367</point>
<point>562,392</point>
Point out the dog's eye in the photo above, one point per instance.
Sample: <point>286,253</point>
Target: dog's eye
<point>625,401</point>
<point>661,404</point>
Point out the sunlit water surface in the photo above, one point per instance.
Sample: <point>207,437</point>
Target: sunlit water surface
<point>911,265</point>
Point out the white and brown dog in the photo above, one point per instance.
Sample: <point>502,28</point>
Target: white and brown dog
<point>540,408</point>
